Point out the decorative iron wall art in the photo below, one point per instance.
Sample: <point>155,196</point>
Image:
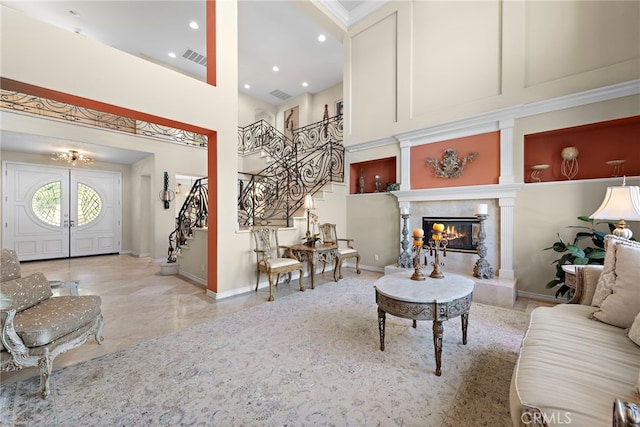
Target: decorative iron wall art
<point>451,166</point>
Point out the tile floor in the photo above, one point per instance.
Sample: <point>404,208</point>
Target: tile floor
<point>138,304</point>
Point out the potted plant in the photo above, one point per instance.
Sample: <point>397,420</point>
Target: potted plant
<point>573,253</point>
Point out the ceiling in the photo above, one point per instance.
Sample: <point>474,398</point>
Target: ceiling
<point>269,33</point>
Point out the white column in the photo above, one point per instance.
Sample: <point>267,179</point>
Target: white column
<point>506,237</point>
<point>506,151</point>
<point>405,168</point>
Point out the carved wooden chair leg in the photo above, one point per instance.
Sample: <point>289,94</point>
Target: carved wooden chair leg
<point>300,279</point>
<point>277,280</point>
<point>257,280</point>
<point>358,264</point>
<point>289,278</point>
<point>270,287</point>
<point>45,364</point>
<point>99,336</point>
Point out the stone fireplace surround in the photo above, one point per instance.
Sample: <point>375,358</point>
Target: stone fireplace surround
<point>461,202</point>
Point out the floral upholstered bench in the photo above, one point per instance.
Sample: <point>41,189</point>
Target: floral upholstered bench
<point>36,326</point>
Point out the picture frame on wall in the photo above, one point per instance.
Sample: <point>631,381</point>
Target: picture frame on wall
<point>339,106</point>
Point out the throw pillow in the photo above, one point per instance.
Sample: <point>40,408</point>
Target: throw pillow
<point>622,306</point>
<point>634,334</point>
<point>608,275</point>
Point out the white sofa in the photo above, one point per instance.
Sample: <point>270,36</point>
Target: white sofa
<point>572,367</point>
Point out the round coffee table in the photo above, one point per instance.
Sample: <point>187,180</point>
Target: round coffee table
<point>431,299</point>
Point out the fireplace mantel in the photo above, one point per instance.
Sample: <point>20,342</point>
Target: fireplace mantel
<point>494,191</point>
<point>505,194</point>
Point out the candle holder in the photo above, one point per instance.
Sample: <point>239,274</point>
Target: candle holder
<point>417,265</point>
<point>482,269</point>
<point>405,260</point>
<point>437,244</point>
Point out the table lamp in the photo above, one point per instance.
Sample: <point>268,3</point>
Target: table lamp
<point>620,203</point>
<point>308,205</point>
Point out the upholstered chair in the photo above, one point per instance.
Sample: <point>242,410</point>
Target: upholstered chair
<point>345,250</point>
<point>271,258</point>
<point>37,326</point>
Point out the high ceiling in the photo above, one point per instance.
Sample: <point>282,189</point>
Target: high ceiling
<point>270,33</point>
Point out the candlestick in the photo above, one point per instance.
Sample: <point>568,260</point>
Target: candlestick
<point>417,265</point>
<point>405,257</point>
<point>437,244</point>
<point>482,269</point>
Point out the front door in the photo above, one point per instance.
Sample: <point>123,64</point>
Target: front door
<point>52,212</point>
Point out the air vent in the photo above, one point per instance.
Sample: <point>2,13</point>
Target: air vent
<point>280,94</point>
<point>196,57</point>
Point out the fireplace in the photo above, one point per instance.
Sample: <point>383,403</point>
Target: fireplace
<point>461,232</point>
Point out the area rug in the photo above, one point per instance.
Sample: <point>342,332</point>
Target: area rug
<point>309,358</point>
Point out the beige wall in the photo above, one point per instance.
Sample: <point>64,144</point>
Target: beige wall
<point>413,64</point>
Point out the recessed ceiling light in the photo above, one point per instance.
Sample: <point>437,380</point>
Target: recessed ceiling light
<point>322,38</point>
<point>276,68</point>
<point>194,25</point>
<point>305,84</point>
<point>172,55</point>
<point>246,86</point>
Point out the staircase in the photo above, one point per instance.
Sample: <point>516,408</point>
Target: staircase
<point>273,196</point>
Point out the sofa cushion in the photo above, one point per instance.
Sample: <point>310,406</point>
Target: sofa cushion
<point>572,365</point>
<point>9,265</point>
<point>634,331</point>
<point>622,306</point>
<point>26,292</point>
<point>608,276</point>
<point>55,318</point>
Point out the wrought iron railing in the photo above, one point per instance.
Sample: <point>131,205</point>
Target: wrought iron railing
<point>193,214</point>
<point>42,107</point>
<point>300,167</point>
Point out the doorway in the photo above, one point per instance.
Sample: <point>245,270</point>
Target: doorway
<point>54,212</point>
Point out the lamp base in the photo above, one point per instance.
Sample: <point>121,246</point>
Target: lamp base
<point>622,230</point>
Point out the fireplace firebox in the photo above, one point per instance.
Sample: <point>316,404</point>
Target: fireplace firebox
<point>461,232</point>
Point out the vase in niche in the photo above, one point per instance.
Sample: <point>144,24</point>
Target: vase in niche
<point>361,182</point>
<point>377,184</point>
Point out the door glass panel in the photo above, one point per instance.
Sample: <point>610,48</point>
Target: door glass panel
<point>46,203</point>
<point>89,204</point>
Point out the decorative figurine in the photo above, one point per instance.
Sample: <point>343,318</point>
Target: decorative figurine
<point>377,184</point>
<point>361,182</point>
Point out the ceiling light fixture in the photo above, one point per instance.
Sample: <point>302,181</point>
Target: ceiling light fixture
<point>305,84</point>
<point>72,157</point>
<point>172,55</point>
<point>276,68</point>
<point>322,38</point>
<point>247,86</point>
<point>194,25</point>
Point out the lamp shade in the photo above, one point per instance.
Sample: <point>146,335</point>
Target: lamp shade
<point>308,202</point>
<point>621,202</point>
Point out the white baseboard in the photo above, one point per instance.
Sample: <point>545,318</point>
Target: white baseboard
<point>190,276</point>
<point>541,297</point>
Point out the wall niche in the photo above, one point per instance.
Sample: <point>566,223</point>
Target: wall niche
<point>604,149</point>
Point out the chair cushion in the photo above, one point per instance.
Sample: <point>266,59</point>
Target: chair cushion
<point>9,265</point>
<point>346,251</point>
<point>282,262</point>
<point>26,292</point>
<point>55,318</point>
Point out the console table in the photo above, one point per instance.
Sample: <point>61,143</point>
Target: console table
<point>431,299</point>
<point>312,254</point>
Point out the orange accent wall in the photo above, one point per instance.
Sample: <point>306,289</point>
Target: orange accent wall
<point>597,143</point>
<point>485,169</point>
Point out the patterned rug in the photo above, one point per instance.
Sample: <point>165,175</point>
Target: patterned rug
<point>310,358</point>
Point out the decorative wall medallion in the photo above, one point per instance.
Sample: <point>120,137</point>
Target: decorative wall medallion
<point>451,166</point>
